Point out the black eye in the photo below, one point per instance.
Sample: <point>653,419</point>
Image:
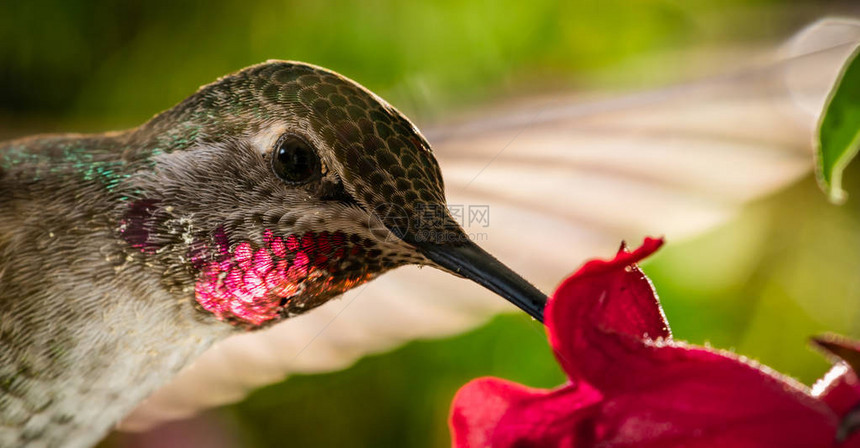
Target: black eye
<point>294,161</point>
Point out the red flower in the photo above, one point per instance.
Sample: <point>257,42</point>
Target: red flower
<point>632,385</point>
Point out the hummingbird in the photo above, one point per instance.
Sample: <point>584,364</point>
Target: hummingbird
<point>566,177</point>
<point>260,197</point>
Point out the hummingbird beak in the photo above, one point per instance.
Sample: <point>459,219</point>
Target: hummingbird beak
<point>470,261</point>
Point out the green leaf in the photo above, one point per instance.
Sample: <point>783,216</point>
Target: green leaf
<point>839,130</point>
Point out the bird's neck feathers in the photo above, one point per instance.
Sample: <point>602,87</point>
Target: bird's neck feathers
<point>87,329</point>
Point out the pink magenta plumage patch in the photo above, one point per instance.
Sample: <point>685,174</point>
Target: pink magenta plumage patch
<point>252,284</point>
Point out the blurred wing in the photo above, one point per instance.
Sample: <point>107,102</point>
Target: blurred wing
<point>542,185</point>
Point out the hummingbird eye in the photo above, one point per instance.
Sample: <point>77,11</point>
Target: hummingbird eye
<point>295,161</point>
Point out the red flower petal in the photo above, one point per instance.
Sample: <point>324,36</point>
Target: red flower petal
<point>839,388</point>
<point>498,413</point>
<point>604,296</point>
<point>633,386</point>
<point>608,330</point>
<point>681,396</point>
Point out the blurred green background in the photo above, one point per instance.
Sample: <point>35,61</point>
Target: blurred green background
<point>761,285</point>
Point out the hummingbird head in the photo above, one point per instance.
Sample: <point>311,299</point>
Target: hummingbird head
<point>283,185</point>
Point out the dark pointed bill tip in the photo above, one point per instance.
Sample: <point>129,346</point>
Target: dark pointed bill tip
<point>474,263</point>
